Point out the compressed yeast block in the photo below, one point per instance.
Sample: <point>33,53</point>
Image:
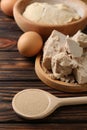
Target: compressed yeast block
<point>53,45</point>
<point>73,48</point>
<point>80,72</point>
<point>81,38</point>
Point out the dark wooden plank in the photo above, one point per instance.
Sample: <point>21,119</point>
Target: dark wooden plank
<point>8,27</point>
<point>43,126</point>
<point>15,86</point>
<point>18,75</point>
<point>10,30</point>
<point>8,55</point>
<point>15,65</point>
<point>14,61</point>
<point>34,126</point>
<point>64,114</point>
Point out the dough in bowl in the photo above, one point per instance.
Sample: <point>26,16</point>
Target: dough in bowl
<point>56,14</point>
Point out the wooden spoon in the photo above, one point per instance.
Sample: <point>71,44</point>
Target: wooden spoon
<point>37,104</point>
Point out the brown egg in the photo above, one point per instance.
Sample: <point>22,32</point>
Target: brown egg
<point>30,43</point>
<point>7,6</point>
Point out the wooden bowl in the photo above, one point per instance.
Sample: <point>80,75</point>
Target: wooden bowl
<point>45,30</point>
<point>56,84</point>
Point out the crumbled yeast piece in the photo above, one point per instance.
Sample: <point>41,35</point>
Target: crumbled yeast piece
<point>68,79</point>
<point>81,38</point>
<point>80,72</point>
<point>73,48</point>
<point>62,65</point>
<point>80,75</point>
<point>53,45</point>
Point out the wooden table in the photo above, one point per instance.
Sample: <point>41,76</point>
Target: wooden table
<point>17,73</point>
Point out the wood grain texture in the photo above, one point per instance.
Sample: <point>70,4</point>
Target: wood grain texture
<point>43,126</point>
<point>17,73</point>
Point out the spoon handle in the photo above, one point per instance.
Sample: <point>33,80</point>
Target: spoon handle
<point>73,101</point>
